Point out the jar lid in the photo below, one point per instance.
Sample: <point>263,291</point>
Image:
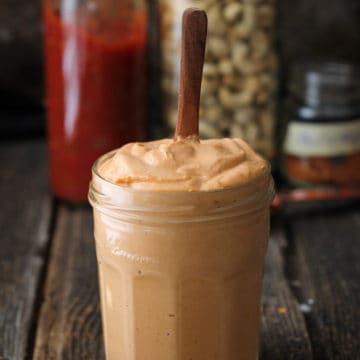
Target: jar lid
<point>326,84</point>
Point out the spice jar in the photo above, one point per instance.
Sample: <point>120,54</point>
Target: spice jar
<point>239,79</point>
<point>322,138</point>
<point>95,82</point>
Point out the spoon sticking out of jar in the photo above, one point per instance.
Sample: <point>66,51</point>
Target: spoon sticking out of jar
<point>194,32</point>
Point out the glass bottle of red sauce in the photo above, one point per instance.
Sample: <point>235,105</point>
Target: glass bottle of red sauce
<point>95,54</point>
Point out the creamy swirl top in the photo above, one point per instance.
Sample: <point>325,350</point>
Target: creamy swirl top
<point>183,165</point>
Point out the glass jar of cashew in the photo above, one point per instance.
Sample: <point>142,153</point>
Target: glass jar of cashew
<point>240,71</point>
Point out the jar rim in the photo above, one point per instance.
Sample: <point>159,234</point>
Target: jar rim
<point>179,206</point>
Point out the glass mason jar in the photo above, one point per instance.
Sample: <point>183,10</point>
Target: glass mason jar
<point>96,85</point>
<point>240,72</point>
<point>181,272</point>
<point>321,133</point>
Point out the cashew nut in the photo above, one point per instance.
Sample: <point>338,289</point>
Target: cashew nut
<point>208,130</point>
<point>251,132</point>
<point>260,44</point>
<point>236,131</point>
<point>266,16</point>
<point>218,47</point>
<point>210,70</point>
<point>244,115</point>
<point>233,82</point>
<point>225,67</point>
<point>213,115</point>
<point>216,25</point>
<point>243,29</point>
<point>232,11</point>
<point>249,67</point>
<point>234,100</point>
<point>239,51</point>
<point>208,86</point>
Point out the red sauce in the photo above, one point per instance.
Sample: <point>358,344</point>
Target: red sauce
<point>95,81</point>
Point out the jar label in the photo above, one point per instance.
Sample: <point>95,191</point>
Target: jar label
<point>325,139</point>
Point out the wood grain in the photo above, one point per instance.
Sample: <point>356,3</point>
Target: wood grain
<point>284,333</point>
<point>69,326</point>
<point>194,31</point>
<point>326,269</point>
<point>24,223</point>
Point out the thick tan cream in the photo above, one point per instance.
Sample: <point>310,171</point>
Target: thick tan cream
<point>184,165</point>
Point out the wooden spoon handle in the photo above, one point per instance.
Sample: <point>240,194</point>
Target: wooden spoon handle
<point>194,31</point>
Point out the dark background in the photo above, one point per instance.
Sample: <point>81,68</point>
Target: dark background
<point>20,52</point>
<point>307,29</point>
<point>317,29</point>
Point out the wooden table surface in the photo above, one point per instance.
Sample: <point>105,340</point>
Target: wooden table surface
<point>49,306</point>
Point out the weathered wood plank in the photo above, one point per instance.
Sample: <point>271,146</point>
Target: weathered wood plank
<point>284,334</point>
<point>24,222</point>
<point>69,326</point>
<point>326,269</point>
